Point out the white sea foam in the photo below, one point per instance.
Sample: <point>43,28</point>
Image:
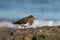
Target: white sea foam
<point>36,23</point>
<point>40,23</point>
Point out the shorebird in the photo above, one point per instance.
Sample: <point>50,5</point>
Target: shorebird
<point>27,21</point>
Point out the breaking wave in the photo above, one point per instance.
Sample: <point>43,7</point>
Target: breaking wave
<point>36,23</point>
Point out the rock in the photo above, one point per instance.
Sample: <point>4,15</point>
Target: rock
<point>25,20</point>
<point>5,34</point>
<point>53,33</point>
<point>29,37</point>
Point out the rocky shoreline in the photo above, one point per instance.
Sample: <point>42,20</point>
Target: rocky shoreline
<point>41,33</point>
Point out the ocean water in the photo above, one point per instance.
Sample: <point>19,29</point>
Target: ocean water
<point>41,9</point>
<point>46,12</point>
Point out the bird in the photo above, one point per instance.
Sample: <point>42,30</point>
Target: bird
<point>27,21</point>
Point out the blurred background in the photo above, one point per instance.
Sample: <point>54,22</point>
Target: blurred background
<point>41,9</point>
